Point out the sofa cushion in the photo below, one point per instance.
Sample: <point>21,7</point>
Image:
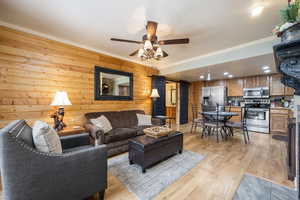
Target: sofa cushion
<point>45,138</point>
<point>118,134</point>
<point>129,118</point>
<point>141,128</point>
<point>22,131</point>
<point>118,119</point>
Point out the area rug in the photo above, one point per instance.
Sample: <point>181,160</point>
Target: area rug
<point>148,185</point>
<point>254,188</point>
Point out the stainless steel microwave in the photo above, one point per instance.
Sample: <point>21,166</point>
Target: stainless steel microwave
<point>261,92</point>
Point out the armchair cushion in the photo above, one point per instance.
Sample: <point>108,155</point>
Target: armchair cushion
<point>21,130</point>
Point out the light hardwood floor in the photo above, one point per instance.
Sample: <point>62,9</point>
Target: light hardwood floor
<point>218,175</point>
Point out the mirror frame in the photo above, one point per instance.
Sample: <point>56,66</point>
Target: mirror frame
<point>97,72</point>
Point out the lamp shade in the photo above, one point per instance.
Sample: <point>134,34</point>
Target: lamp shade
<point>154,93</point>
<point>61,99</point>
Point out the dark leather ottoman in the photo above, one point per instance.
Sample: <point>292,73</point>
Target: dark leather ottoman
<point>147,151</point>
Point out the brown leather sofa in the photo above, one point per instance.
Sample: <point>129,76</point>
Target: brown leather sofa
<point>125,126</point>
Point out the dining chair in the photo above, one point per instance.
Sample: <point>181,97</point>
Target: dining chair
<point>240,125</point>
<point>196,121</point>
<point>213,124</point>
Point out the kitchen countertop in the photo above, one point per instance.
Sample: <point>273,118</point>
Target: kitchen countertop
<point>277,108</point>
<point>280,108</point>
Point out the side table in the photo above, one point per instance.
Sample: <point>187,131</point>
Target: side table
<point>71,131</point>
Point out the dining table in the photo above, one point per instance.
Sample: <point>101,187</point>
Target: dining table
<point>223,117</point>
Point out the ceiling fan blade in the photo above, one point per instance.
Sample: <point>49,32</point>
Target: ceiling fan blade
<point>165,54</point>
<point>134,53</point>
<point>175,41</point>
<point>121,40</point>
<point>151,29</point>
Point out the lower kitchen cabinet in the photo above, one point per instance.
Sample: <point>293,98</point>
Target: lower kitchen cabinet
<point>237,110</point>
<point>279,120</point>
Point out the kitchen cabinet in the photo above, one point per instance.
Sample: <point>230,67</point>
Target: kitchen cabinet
<point>256,81</point>
<point>289,91</point>
<point>237,110</point>
<point>250,82</point>
<point>276,87</point>
<point>279,120</point>
<point>262,81</point>
<point>215,83</point>
<point>235,87</point>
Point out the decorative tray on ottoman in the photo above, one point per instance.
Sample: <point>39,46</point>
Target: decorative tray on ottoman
<point>157,131</point>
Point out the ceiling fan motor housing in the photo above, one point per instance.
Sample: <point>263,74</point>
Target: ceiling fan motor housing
<point>153,39</point>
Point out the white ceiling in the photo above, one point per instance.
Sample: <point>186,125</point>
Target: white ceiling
<point>210,25</point>
<point>238,68</point>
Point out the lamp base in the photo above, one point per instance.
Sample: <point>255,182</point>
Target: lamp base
<point>58,117</point>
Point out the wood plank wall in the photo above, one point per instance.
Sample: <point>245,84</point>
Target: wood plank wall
<point>33,68</point>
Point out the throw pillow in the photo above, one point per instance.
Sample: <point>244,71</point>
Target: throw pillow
<point>144,120</point>
<point>45,138</point>
<point>103,123</point>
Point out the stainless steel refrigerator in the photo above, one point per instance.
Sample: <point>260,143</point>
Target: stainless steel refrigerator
<point>214,95</point>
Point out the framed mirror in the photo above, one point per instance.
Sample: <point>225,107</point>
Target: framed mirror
<point>113,84</point>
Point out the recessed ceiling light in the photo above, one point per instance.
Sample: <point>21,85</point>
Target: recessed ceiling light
<point>202,77</point>
<point>230,76</point>
<point>265,67</point>
<point>226,73</point>
<point>257,11</point>
<point>267,71</point>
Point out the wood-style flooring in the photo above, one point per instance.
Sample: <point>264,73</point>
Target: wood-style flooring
<point>218,175</point>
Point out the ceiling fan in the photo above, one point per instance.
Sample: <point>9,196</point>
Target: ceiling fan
<point>151,45</point>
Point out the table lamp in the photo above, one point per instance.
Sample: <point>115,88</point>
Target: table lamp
<point>60,99</point>
<point>154,94</point>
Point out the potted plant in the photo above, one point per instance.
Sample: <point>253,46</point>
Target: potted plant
<point>289,29</point>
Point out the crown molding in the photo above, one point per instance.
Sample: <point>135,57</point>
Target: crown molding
<point>44,35</point>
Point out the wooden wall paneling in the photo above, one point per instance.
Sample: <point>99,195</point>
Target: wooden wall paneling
<point>33,68</point>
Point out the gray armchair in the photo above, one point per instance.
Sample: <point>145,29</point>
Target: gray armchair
<point>27,174</point>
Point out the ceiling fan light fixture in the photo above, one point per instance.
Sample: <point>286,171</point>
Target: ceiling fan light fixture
<point>159,52</point>
<point>141,52</point>
<point>148,45</point>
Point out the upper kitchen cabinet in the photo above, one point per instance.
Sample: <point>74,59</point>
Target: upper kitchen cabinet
<point>215,83</point>
<point>289,91</point>
<point>276,87</point>
<point>262,81</point>
<point>235,87</point>
<point>256,81</point>
<point>250,82</point>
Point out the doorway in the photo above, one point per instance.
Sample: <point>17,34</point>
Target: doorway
<point>172,101</point>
